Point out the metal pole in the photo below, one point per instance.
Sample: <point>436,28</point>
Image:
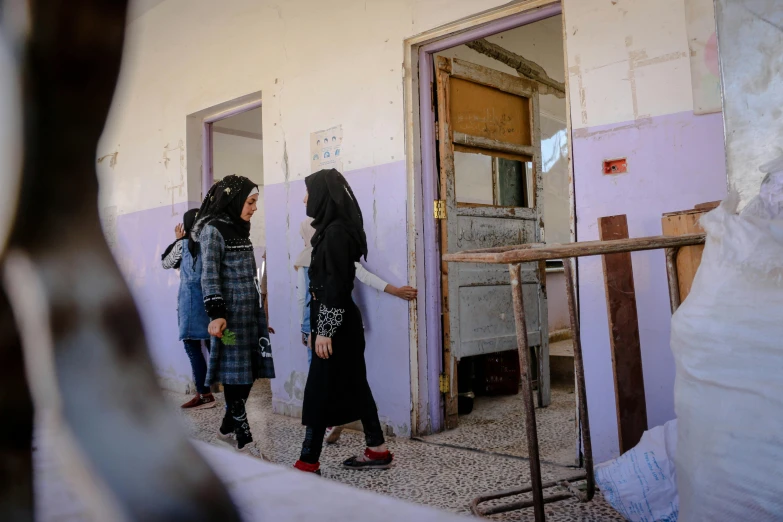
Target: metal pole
<point>527,392</point>
<point>674,278</point>
<point>579,369</point>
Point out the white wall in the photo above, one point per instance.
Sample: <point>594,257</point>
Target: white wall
<point>317,64</point>
<point>243,157</point>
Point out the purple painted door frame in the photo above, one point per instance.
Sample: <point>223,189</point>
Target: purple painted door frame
<point>429,181</point>
<point>207,173</point>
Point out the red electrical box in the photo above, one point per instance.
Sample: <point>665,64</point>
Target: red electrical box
<point>615,166</point>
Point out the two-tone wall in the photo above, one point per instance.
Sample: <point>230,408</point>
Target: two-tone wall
<point>630,83</point>
<point>316,66</point>
<point>319,65</point>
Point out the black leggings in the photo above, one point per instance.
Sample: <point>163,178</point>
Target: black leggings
<point>236,395</point>
<point>236,392</point>
<point>314,435</point>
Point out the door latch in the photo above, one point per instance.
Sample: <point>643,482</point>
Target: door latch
<point>439,209</point>
<point>444,383</point>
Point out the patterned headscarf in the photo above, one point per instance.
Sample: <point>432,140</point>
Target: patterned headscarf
<point>226,198</point>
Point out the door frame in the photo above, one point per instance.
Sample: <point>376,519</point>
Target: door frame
<point>426,337</point>
<point>235,107</point>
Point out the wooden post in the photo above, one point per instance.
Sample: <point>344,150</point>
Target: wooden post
<point>624,336</point>
<point>527,392</point>
<point>688,258</point>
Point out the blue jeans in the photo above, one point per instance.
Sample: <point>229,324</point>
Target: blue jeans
<point>306,315</point>
<point>197,364</point>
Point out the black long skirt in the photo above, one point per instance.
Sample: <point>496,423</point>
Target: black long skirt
<point>337,387</point>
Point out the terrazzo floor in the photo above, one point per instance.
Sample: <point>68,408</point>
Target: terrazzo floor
<point>497,425</point>
<point>427,473</point>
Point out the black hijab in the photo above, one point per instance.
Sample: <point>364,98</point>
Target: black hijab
<point>331,200</point>
<point>187,221</point>
<point>225,200</point>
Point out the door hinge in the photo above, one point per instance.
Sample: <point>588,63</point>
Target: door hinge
<point>439,209</point>
<point>444,383</point>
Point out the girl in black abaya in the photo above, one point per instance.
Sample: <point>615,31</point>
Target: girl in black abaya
<point>337,391</point>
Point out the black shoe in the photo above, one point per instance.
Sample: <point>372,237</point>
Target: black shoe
<point>243,435</point>
<point>373,460</point>
<point>226,427</point>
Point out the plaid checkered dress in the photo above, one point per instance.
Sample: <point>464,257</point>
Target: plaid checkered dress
<point>228,273</point>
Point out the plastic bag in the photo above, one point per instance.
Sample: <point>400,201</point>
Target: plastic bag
<point>727,340</point>
<point>641,484</point>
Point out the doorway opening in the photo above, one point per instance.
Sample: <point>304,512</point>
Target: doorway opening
<point>499,173</point>
<point>229,140</point>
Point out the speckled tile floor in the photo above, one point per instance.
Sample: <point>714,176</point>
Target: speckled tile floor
<point>497,424</point>
<point>443,477</point>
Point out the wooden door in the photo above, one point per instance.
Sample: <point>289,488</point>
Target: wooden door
<point>491,188</point>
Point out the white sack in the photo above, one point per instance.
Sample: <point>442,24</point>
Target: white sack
<point>727,340</point>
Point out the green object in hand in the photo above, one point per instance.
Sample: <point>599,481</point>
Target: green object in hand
<point>229,338</point>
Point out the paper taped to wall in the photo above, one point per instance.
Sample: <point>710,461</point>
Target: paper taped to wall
<point>326,149</point>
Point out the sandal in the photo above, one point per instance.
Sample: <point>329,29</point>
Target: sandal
<point>375,460</point>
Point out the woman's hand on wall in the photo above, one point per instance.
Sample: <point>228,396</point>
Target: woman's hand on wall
<point>216,328</point>
<point>407,293</point>
<point>323,347</point>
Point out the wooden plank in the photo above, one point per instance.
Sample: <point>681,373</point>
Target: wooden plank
<point>446,156</point>
<point>707,206</point>
<point>490,153</point>
<point>688,258</point>
<point>484,112</point>
<point>492,78</point>
<point>491,211</point>
<point>483,275</point>
<point>624,336</point>
<point>540,251</point>
<point>480,142</point>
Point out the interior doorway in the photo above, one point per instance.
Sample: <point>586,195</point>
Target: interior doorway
<point>501,177</point>
<point>238,148</point>
<point>229,138</point>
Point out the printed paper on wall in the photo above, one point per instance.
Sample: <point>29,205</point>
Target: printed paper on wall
<point>326,149</point>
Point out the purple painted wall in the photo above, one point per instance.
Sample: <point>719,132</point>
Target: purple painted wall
<point>381,192</point>
<point>141,239</point>
<point>674,162</point>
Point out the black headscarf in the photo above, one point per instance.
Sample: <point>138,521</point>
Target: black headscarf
<point>331,200</point>
<point>187,221</point>
<point>225,200</point>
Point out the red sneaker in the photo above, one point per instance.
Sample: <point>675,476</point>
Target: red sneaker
<point>200,402</point>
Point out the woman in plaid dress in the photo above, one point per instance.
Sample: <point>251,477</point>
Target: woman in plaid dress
<point>240,347</point>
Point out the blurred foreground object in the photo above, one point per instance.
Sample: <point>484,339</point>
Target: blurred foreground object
<point>64,303</point>
<point>726,340</point>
